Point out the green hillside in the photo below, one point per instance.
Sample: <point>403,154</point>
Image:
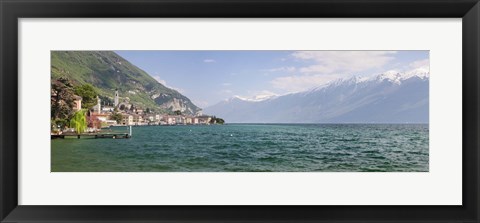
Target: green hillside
<point>107,71</point>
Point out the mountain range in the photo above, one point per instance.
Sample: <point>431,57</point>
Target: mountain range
<point>385,98</point>
<point>108,71</point>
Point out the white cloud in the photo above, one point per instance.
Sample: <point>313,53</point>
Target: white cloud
<point>159,80</point>
<point>328,66</point>
<point>302,82</point>
<point>227,91</point>
<point>281,69</point>
<point>209,61</point>
<point>226,84</point>
<point>328,62</point>
<point>164,83</point>
<point>420,66</point>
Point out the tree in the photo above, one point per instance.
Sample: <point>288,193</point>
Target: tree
<point>58,124</point>
<point>116,116</point>
<point>88,94</point>
<point>220,121</point>
<point>177,112</point>
<point>62,99</point>
<point>79,121</point>
<point>106,100</point>
<point>216,120</point>
<point>213,120</point>
<point>94,122</point>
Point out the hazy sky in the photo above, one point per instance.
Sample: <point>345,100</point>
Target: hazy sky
<point>207,77</point>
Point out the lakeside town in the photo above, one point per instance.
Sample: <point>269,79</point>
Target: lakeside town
<point>102,115</point>
<point>76,114</point>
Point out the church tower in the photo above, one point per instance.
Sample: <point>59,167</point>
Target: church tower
<point>99,106</point>
<point>115,103</point>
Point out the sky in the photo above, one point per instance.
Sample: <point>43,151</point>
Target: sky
<point>208,77</point>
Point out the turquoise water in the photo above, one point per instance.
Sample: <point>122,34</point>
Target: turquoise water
<point>250,148</point>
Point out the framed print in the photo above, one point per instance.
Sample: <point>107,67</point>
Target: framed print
<point>225,111</point>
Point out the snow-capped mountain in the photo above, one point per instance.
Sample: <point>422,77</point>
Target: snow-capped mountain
<point>387,98</point>
<point>254,99</point>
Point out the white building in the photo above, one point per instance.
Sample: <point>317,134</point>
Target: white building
<point>127,120</point>
<point>107,109</point>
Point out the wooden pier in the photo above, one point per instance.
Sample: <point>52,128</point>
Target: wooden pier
<point>95,135</point>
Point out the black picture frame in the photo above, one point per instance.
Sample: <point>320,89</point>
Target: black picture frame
<point>12,10</point>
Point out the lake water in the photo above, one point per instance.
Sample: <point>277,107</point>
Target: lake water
<point>251,148</point>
